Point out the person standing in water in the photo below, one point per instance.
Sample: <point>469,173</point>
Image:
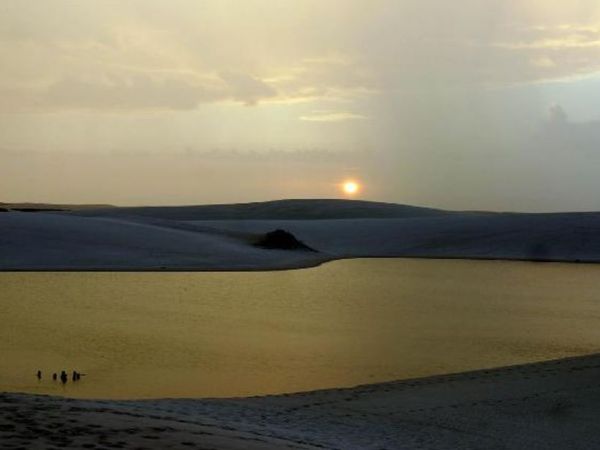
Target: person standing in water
<point>39,374</point>
<point>63,377</point>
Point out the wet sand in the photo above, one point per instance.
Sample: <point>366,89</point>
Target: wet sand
<point>549,405</point>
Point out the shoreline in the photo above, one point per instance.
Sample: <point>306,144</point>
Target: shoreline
<point>430,379</point>
<point>307,265</point>
<point>550,404</point>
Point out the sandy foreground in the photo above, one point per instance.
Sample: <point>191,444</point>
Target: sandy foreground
<point>549,405</point>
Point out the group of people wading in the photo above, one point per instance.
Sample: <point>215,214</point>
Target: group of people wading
<point>75,376</point>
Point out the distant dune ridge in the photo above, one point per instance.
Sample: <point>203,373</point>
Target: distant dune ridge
<point>279,210</point>
<point>49,206</point>
<point>222,237</point>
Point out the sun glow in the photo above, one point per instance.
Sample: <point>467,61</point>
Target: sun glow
<point>350,187</point>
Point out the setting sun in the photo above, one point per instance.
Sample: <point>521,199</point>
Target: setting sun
<point>350,187</point>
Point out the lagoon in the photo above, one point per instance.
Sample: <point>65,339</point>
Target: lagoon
<point>349,322</point>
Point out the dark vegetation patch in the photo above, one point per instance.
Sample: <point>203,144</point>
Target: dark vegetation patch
<point>282,240</point>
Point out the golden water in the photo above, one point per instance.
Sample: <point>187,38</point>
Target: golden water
<point>349,322</point>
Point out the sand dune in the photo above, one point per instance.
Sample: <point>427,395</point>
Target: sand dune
<point>276,210</point>
<point>550,405</point>
<point>53,206</point>
<point>53,241</point>
<point>221,237</point>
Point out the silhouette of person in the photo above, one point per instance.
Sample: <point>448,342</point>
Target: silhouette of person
<point>74,376</point>
<point>54,376</point>
<point>39,374</point>
<point>63,377</point>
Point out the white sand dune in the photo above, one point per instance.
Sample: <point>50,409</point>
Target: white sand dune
<point>221,237</point>
<point>550,405</point>
<point>40,241</point>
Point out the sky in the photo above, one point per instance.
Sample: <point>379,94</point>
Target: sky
<point>464,104</point>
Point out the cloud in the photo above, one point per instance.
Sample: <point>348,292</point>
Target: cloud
<point>553,52</point>
<point>330,78</point>
<point>137,93</point>
<point>559,37</point>
<point>331,116</point>
<point>134,92</point>
<point>557,115</point>
<point>543,62</point>
<point>247,89</point>
<point>565,137</point>
<point>219,51</point>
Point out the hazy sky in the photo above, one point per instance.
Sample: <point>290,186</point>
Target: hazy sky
<point>463,104</point>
